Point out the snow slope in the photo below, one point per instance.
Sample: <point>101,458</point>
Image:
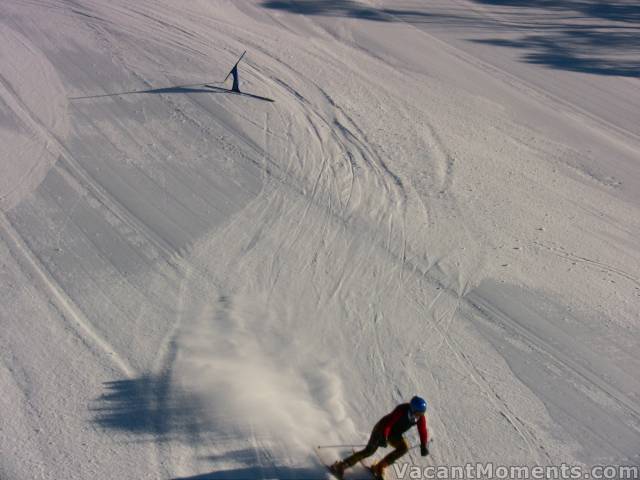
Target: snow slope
<point>443,200</point>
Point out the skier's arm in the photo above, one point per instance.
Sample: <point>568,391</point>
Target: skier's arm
<point>422,429</point>
<point>393,418</point>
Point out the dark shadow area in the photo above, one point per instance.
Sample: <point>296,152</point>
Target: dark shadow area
<point>594,37</point>
<point>564,52</point>
<point>586,36</point>
<point>177,89</point>
<point>347,9</point>
<point>150,406</point>
<point>200,88</point>
<point>258,473</point>
<point>157,411</point>
<point>329,8</point>
<point>620,11</point>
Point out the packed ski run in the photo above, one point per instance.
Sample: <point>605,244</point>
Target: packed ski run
<point>398,234</point>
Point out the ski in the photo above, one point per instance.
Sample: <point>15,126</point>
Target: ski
<point>349,474</point>
<point>327,464</point>
<point>366,467</point>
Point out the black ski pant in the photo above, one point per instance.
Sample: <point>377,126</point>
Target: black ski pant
<point>376,440</point>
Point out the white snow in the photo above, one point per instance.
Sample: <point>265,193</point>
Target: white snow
<point>444,199</point>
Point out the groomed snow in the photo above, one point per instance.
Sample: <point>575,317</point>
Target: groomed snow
<point>443,199</point>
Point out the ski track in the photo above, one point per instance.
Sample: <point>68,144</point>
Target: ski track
<point>578,365</point>
<point>64,303</point>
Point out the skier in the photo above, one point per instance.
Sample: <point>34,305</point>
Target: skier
<point>389,430</point>
<point>234,73</point>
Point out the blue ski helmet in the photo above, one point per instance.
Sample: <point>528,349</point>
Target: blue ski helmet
<point>418,405</point>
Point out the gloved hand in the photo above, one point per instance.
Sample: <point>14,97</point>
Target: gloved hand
<point>424,450</point>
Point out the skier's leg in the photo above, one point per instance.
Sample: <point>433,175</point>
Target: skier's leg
<point>371,447</point>
<point>360,455</point>
<point>401,446</point>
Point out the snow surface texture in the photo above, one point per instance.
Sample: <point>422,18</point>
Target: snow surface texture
<point>444,199</point>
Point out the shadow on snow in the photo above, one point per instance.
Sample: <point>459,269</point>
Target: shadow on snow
<point>581,36</point>
<point>346,9</point>
<point>199,88</point>
<point>155,410</point>
<point>150,406</point>
<point>621,10</point>
<point>588,36</point>
<point>258,473</point>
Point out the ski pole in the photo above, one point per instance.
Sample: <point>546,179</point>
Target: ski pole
<point>364,445</point>
<point>342,446</point>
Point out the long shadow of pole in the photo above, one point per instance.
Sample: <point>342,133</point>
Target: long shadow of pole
<point>196,88</point>
<point>176,89</point>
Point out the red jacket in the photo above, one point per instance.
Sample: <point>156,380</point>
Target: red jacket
<point>401,420</point>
